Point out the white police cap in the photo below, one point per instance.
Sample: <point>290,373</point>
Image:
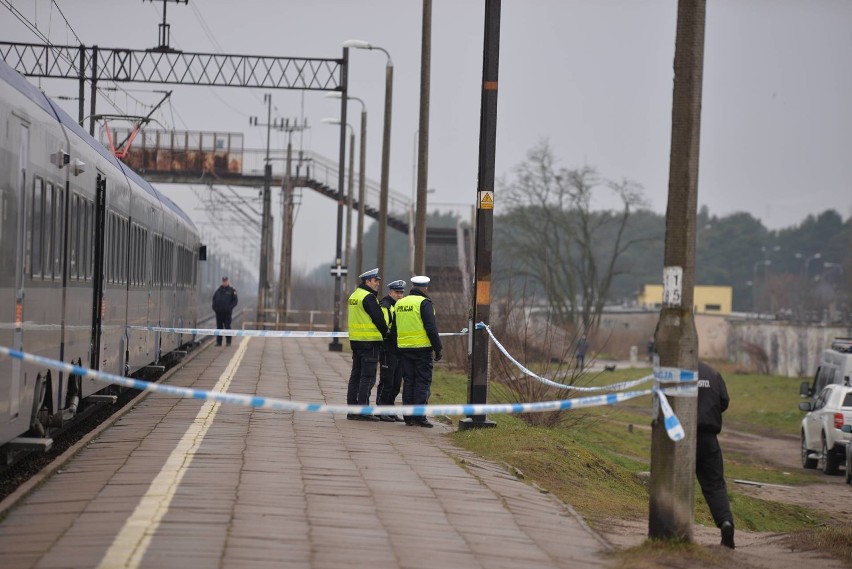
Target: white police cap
<point>420,281</point>
<point>397,285</point>
<point>371,274</point>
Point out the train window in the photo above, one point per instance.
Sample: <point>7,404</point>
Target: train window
<point>47,229</point>
<point>109,246</point>
<point>170,266</point>
<point>125,250</point>
<point>116,249</point>
<point>139,267</point>
<point>38,230</point>
<point>85,240</point>
<point>144,273</point>
<point>155,264</point>
<point>58,234</point>
<point>134,243</point>
<point>72,238</point>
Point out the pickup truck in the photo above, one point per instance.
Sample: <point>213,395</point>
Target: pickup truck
<point>824,438</point>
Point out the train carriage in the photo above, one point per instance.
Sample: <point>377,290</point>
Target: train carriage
<point>87,248</point>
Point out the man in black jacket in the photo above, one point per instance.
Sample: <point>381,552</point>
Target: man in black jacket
<point>390,369</point>
<point>712,401</point>
<point>224,301</point>
<point>417,338</point>
<point>367,329</point>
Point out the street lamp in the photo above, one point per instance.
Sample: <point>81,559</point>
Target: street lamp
<point>348,245</point>
<point>383,196</point>
<point>362,178</point>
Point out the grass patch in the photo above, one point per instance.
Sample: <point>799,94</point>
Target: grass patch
<point>596,467</point>
<point>660,553</point>
<point>832,540</point>
<point>764,404</point>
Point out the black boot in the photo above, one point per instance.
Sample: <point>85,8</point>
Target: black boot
<point>728,534</point>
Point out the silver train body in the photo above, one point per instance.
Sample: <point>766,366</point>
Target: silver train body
<point>87,248</point>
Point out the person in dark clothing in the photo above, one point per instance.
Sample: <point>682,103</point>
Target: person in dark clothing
<point>651,349</point>
<point>390,371</point>
<point>367,329</point>
<point>580,352</point>
<point>417,338</point>
<point>224,301</point>
<point>712,402</point>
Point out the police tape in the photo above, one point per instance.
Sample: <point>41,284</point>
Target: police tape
<point>673,426</point>
<point>261,333</point>
<point>661,374</point>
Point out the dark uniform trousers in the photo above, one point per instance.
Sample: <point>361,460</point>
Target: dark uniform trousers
<point>365,360</point>
<point>390,377</point>
<point>223,322</point>
<point>711,476</point>
<point>417,375</point>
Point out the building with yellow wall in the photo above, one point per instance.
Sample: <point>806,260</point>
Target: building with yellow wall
<point>707,299</point>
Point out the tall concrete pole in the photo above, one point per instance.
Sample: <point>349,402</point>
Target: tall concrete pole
<point>348,246</point>
<point>478,384</point>
<point>349,196</point>
<point>423,143</point>
<point>673,463</point>
<point>383,194</point>
<point>286,236</point>
<point>335,345</point>
<point>362,180</point>
<point>265,226</point>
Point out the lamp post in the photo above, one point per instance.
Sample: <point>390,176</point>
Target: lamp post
<point>362,180</point>
<point>338,271</point>
<point>383,195</point>
<point>348,239</point>
<point>423,144</point>
<point>411,209</point>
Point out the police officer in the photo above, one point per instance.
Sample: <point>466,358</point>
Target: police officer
<point>224,301</point>
<point>367,329</point>
<point>390,372</point>
<point>417,338</point>
<point>712,401</point>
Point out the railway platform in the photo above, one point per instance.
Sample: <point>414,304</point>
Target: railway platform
<point>188,483</point>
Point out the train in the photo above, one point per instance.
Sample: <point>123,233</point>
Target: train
<point>87,249</point>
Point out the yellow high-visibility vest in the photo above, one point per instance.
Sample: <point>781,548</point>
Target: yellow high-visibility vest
<point>361,327</point>
<point>410,332</point>
<point>388,312</point>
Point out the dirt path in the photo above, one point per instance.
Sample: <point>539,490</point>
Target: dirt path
<point>828,494</point>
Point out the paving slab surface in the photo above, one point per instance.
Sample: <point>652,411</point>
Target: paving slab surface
<point>185,483</point>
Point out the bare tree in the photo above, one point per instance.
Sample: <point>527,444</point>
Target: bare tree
<point>557,238</point>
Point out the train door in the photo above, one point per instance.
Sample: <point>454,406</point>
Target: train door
<point>98,276</point>
<point>23,133</point>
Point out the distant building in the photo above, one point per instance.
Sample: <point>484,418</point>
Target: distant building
<point>708,299</point>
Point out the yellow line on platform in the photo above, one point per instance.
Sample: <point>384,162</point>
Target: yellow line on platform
<point>130,545</point>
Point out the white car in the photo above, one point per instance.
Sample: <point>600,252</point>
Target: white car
<point>823,437</point>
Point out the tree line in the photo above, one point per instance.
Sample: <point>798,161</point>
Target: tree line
<point>579,241</point>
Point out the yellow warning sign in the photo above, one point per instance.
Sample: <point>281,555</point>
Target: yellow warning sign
<point>486,200</point>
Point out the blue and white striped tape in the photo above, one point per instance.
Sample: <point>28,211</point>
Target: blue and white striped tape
<point>285,405</point>
<point>261,333</point>
<point>660,374</point>
<point>673,426</point>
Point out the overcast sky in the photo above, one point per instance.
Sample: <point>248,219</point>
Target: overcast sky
<point>594,77</point>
